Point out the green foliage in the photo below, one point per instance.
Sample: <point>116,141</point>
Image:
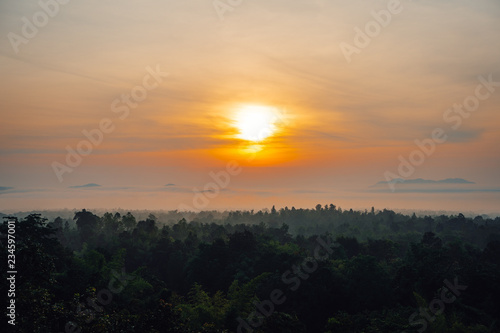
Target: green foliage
<point>202,275</point>
<point>203,310</point>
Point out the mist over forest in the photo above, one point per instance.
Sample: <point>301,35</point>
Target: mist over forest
<point>276,270</point>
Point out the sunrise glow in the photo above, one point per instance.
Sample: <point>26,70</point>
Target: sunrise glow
<point>256,123</point>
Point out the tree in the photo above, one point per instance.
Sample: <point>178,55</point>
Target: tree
<point>128,221</point>
<point>88,224</point>
<point>112,224</point>
<point>37,253</point>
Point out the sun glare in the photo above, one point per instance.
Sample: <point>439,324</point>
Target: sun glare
<point>256,123</point>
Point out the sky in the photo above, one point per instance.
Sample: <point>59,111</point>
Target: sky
<point>156,99</point>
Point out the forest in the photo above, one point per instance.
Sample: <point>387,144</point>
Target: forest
<point>289,270</point>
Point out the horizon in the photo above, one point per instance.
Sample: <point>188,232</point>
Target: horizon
<point>191,215</point>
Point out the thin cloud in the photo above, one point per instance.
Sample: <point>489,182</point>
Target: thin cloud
<point>89,185</point>
<point>464,135</point>
<point>421,181</point>
<point>438,190</point>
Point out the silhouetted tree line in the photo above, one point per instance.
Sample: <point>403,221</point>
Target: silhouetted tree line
<point>384,272</point>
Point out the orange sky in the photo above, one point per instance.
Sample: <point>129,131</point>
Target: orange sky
<point>342,125</point>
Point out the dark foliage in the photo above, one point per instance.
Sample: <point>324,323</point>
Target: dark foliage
<point>288,270</point>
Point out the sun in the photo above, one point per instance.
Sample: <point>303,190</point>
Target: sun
<point>256,122</point>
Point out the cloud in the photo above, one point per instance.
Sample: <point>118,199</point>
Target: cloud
<point>438,190</point>
<point>424,181</point>
<point>173,188</point>
<point>464,136</point>
<point>12,190</point>
<point>89,185</point>
<point>420,185</point>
